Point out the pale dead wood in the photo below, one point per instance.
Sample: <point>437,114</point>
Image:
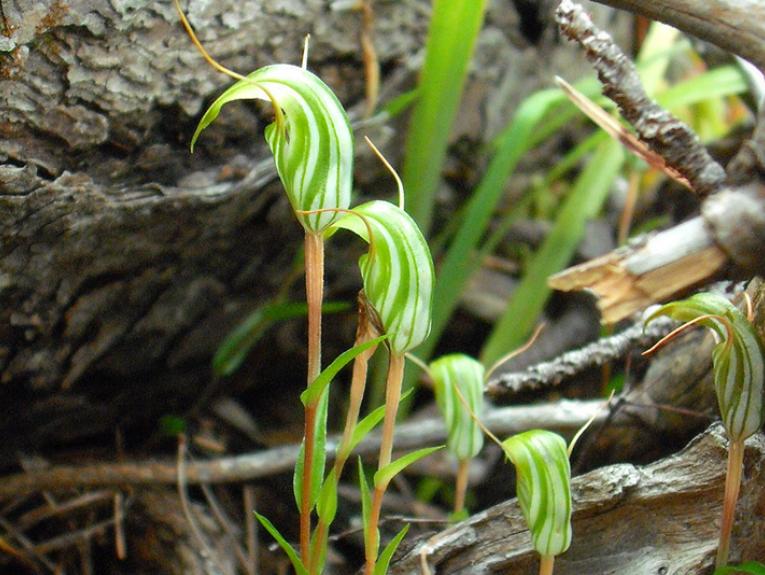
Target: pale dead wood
<point>661,518</point>
<point>737,26</point>
<point>648,270</point>
<point>565,416</point>
<point>568,365</point>
<point>732,223</point>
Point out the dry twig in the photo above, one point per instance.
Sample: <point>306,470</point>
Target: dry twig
<point>666,135</point>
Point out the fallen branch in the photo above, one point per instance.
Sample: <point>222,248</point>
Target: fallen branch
<point>674,141</point>
<point>572,363</point>
<point>660,518</point>
<point>732,222</point>
<point>565,416</point>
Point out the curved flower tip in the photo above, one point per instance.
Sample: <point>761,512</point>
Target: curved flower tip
<point>738,359</point>
<point>453,376</point>
<point>397,271</point>
<point>311,139</point>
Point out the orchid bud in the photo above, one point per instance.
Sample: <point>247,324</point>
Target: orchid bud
<point>311,139</point>
<point>544,487</point>
<point>453,376</point>
<point>397,271</point>
<point>737,359</point>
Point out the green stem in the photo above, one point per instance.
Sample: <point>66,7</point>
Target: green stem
<point>314,283</point>
<point>732,487</point>
<point>546,564</point>
<point>392,398</point>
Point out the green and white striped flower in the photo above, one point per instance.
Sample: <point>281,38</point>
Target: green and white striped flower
<point>397,271</point>
<point>737,359</point>
<point>311,139</point>
<point>544,487</point>
<point>460,372</point>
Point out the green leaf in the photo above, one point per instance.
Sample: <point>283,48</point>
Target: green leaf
<point>326,505</point>
<point>750,567</point>
<point>460,372</point>
<point>397,271</point>
<point>738,363</point>
<point>319,454</point>
<point>544,492</point>
<point>368,423</point>
<point>311,140</point>
<point>584,201</point>
<point>382,563</point>
<point>297,564</point>
<point>237,344</point>
<point>383,476</point>
<point>321,382</point>
<point>172,425</point>
<point>366,500</point>
<point>717,83</point>
<point>454,27</point>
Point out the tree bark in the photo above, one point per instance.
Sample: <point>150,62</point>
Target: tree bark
<point>123,259</point>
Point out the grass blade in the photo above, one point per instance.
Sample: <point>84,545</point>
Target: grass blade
<point>381,567</point>
<point>454,27</point>
<point>297,564</point>
<point>237,344</point>
<point>584,202</point>
<point>313,391</point>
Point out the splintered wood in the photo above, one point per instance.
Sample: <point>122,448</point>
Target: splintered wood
<point>635,276</point>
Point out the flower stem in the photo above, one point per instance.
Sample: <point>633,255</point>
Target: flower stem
<point>546,564</point>
<point>392,398</point>
<point>314,284</point>
<point>732,486</point>
<point>463,469</point>
<point>358,384</point>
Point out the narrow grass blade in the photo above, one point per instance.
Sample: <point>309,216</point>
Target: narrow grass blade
<point>294,558</point>
<point>366,500</point>
<point>386,474</point>
<point>320,454</point>
<point>381,566</point>
<point>326,504</point>
<point>313,391</point>
<point>237,344</point>
<point>584,202</point>
<point>454,27</point>
<point>750,567</point>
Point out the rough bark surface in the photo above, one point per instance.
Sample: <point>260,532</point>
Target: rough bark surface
<point>124,260</point>
<point>661,518</point>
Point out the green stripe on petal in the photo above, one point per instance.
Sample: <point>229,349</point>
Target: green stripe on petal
<point>738,363</point>
<point>313,149</point>
<point>462,372</point>
<point>544,487</point>
<point>397,271</point>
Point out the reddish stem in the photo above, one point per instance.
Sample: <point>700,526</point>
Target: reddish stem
<point>546,564</point>
<point>732,487</point>
<point>392,398</point>
<point>463,470</point>
<point>358,384</point>
<point>314,284</point>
